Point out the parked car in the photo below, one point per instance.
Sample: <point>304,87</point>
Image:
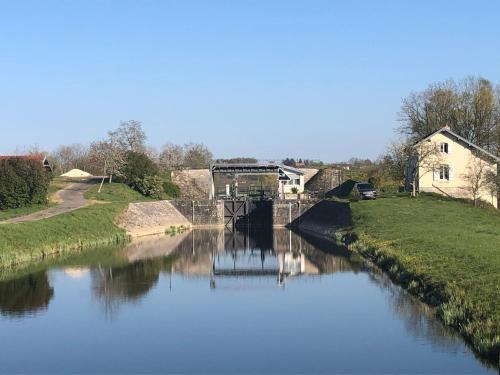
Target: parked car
<point>366,190</point>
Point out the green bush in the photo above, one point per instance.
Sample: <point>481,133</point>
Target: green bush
<point>137,166</point>
<point>171,189</point>
<point>149,186</point>
<point>22,183</point>
<point>355,195</point>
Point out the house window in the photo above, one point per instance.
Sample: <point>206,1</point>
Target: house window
<point>297,181</point>
<point>443,147</point>
<point>444,173</point>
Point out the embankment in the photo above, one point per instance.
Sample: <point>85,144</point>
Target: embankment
<point>326,218</point>
<point>146,218</point>
<point>84,228</point>
<point>442,251</point>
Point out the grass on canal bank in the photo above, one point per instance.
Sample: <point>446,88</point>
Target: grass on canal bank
<point>85,228</point>
<point>80,229</point>
<point>116,192</point>
<point>444,251</point>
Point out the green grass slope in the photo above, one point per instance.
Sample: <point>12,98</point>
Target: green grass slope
<point>446,252</point>
<point>83,228</point>
<point>115,192</point>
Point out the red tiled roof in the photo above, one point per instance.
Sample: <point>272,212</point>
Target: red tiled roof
<point>39,158</point>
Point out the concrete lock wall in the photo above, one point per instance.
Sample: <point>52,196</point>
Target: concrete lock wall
<point>202,212</point>
<point>211,213</point>
<point>289,212</point>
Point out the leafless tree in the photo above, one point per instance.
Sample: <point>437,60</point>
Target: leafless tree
<point>171,157</point>
<point>65,158</point>
<point>479,176</point>
<point>471,107</point>
<point>107,157</point>
<point>129,136</point>
<point>408,161</point>
<point>197,155</point>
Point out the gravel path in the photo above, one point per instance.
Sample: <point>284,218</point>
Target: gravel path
<point>71,198</point>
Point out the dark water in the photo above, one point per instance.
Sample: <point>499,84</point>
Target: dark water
<point>216,302</point>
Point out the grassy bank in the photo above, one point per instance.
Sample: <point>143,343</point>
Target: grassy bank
<point>84,228</point>
<point>115,192</point>
<point>24,243</point>
<point>444,251</point>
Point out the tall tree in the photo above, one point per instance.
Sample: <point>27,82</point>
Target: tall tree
<point>129,136</point>
<point>470,107</point>
<point>107,158</point>
<point>196,156</point>
<point>171,157</point>
<point>65,158</point>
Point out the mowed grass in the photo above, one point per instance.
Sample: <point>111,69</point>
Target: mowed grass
<point>83,228</point>
<point>443,250</point>
<point>115,192</point>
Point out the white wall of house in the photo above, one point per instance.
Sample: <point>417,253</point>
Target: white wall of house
<point>447,175</point>
<point>286,187</point>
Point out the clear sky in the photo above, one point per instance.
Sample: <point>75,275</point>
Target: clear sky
<point>315,79</point>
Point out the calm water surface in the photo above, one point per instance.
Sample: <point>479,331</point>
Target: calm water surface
<point>219,302</point>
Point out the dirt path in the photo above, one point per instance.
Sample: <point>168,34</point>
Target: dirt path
<point>70,198</point>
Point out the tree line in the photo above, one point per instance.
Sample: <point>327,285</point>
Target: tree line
<point>470,107</point>
<point>108,154</point>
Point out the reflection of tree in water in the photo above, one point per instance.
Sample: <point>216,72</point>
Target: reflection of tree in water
<point>114,286</point>
<point>26,295</point>
<point>418,318</point>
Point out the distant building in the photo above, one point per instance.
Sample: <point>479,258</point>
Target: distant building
<point>451,163</point>
<point>288,181</point>
<point>37,158</point>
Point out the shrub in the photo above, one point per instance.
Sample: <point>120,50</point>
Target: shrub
<point>22,183</point>
<point>171,189</point>
<point>137,166</point>
<point>149,186</point>
<point>354,195</point>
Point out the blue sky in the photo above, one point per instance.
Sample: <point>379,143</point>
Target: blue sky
<point>315,79</point>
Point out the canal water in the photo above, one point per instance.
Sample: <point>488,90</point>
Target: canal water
<point>213,301</point>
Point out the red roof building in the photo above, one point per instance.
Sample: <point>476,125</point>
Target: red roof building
<point>38,158</point>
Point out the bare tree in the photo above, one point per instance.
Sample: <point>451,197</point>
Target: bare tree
<point>70,157</point>
<point>479,176</point>
<point>129,136</point>
<point>409,162</point>
<point>197,155</point>
<point>171,157</point>
<point>108,157</point>
<point>471,107</point>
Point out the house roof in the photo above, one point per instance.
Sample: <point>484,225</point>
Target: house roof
<point>253,167</point>
<point>39,158</point>
<point>447,130</point>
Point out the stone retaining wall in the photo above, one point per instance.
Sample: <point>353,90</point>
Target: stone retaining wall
<point>202,213</point>
<point>157,217</point>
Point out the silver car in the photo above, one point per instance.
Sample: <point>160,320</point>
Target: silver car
<point>366,190</point>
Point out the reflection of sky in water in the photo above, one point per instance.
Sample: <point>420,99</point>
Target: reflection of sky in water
<point>161,315</point>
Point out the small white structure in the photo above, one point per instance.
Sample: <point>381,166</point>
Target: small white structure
<point>289,188</point>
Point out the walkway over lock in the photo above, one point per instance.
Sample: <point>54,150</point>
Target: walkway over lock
<point>287,181</point>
